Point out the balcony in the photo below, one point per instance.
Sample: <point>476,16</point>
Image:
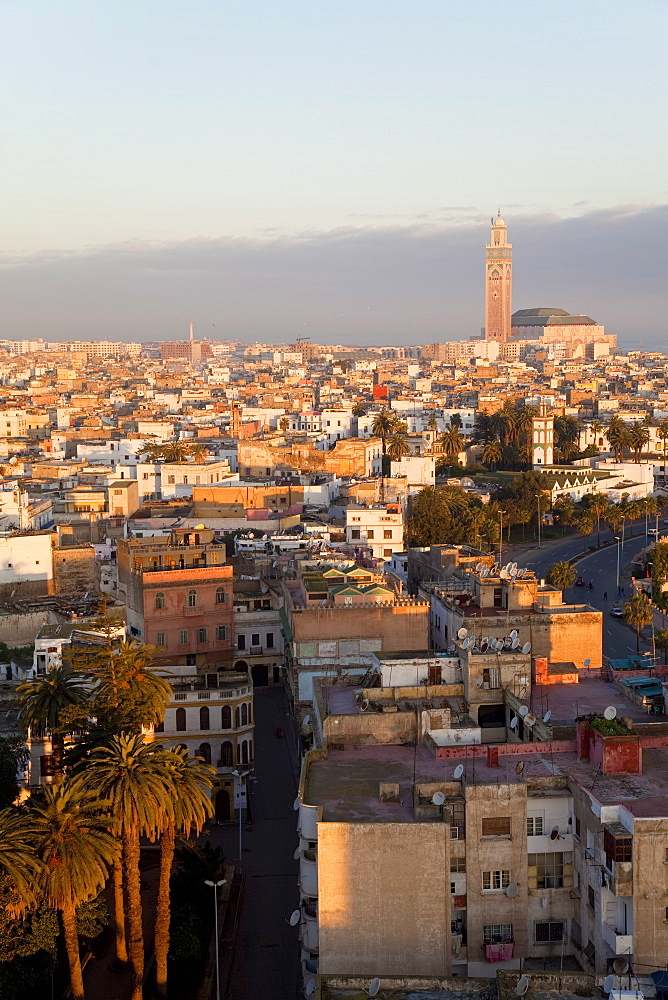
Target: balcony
<point>189,611</point>
<point>308,873</point>
<point>621,882</point>
<point>621,944</point>
<point>309,935</point>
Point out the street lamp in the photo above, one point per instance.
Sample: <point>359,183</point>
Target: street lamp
<point>216,886</point>
<point>241,776</point>
<point>617,539</point>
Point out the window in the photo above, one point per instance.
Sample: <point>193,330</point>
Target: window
<point>549,870</point>
<point>160,639</point>
<point>241,642</point>
<point>47,765</point>
<point>222,633</point>
<point>170,480</point>
<point>369,534</point>
<point>387,533</point>
<point>237,717</point>
<point>491,677</point>
<point>534,826</point>
<point>226,754</point>
<point>191,599</point>
<point>591,897</point>
<point>185,480</point>
<point>244,752</point>
<point>387,553</point>
<point>159,601</point>
<point>270,640</point>
<point>547,931</point>
<point>496,826</point>
<point>205,752</point>
<point>244,715</point>
<point>497,597</point>
<point>497,933</point>
<point>617,848</point>
<point>191,660</point>
<point>226,717</point>
<point>495,881</point>
<point>576,933</point>
<point>458,865</point>
<point>201,635</point>
<point>221,596</point>
<point>453,888</point>
<point>578,827</point>
<point>183,637</point>
<point>180,720</point>
<point>204,718</point>
<point>355,534</point>
<point>255,639</point>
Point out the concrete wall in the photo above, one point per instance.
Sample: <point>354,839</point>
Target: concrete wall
<point>650,893</point>
<point>384,898</point>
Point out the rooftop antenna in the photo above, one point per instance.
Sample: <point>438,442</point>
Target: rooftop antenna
<point>298,851</point>
<point>513,722</point>
<point>295,804</point>
<point>610,713</point>
<point>524,710</point>
<point>462,633</point>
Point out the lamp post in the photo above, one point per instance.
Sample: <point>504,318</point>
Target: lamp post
<point>241,778</point>
<point>216,886</point>
<point>617,538</point>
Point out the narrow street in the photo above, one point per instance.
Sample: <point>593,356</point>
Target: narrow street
<point>266,957</point>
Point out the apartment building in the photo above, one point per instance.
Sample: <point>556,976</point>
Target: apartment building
<point>258,636</point>
<point>178,595</point>
<point>379,528</point>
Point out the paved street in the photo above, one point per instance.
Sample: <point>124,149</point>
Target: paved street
<point>600,567</point>
<point>266,959</point>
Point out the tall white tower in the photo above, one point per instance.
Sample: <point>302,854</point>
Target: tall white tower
<point>543,440</point>
<point>498,283</point>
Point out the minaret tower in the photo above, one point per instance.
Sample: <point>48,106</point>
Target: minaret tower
<point>498,283</point>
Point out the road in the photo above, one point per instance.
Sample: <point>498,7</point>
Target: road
<point>601,568</point>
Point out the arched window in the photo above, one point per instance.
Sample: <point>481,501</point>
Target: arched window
<point>238,753</point>
<point>244,715</point>
<point>159,601</point>
<point>250,713</point>
<point>244,752</point>
<point>205,752</point>
<point>250,749</point>
<point>191,600</point>
<point>180,720</point>
<point>226,717</point>
<point>204,718</point>
<point>237,718</point>
<point>226,759</point>
<point>221,596</point>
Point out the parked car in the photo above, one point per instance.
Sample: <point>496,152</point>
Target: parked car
<point>580,582</point>
<point>616,612</point>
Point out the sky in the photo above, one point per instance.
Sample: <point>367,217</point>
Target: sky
<point>265,169</point>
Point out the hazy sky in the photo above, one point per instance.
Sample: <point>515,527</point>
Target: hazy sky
<point>278,123</point>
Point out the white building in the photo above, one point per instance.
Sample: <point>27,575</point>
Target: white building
<point>380,528</point>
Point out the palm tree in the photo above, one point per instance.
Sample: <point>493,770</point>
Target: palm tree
<point>586,524</point>
<point>383,426</point>
<point>284,423</point>
<point>492,454</point>
<point>451,441</point>
<point>596,427</point>
<point>131,691</point>
<point>174,451</point>
<point>599,505</point>
<point>661,642</point>
<point>638,613</point>
<point>193,780</point>
<point>18,857</point>
<point>359,408</point>
<point>398,446</point>
<point>150,451</point>
<point>662,432</point>
<point>76,848</point>
<point>45,699</point>
<point>199,452</point>
<point>562,575</point>
<point>616,435</point>
<point>137,780</point>
<point>638,437</point>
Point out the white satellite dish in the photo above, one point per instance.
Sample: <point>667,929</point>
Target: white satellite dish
<point>307,719</point>
<point>519,767</point>
<point>309,989</point>
<point>513,722</point>
<point>364,704</point>
<point>514,566</point>
<point>547,716</point>
<point>608,984</point>
<point>524,711</point>
<point>295,804</point>
<point>438,798</point>
<point>503,575</point>
<point>294,918</point>
<point>462,633</point>
<point>478,567</point>
<point>621,966</point>
<point>515,643</point>
<point>530,719</point>
<point>586,663</point>
<point>479,683</point>
<point>484,646</point>
<point>514,633</point>
<point>526,648</point>
<point>512,890</point>
<point>298,851</point>
<point>459,770</point>
<point>554,833</point>
<point>374,987</point>
<point>522,986</point>
<point>610,713</point>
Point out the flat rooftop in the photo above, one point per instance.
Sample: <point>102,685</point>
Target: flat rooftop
<point>593,695</point>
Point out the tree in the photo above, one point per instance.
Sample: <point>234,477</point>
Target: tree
<point>599,505</point>
<point>586,522</point>
<point>661,642</point>
<point>565,511</point>
<point>76,848</point>
<point>18,859</point>
<point>438,515</point>
<point>566,434</point>
<point>383,426</point>
<point>662,433</point>
<point>136,778</point>
<point>151,451</point>
<point>398,446</point>
<point>175,451</point>
<point>359,408</point>
<point>13,755</point>
<point>284,423</point>
<point>616,435</point>
<point>193,780</point>
<point>492,453</point>
<point>44,701</point>
<point>638,437</point>
<point>638,613</point>
<point>451,441</point>
<point>198,451</point>
<point>561,575</point>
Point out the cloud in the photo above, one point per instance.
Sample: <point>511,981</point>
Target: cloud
<point>366,284</point>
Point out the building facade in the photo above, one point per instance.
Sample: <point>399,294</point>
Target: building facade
<point>498,283</point>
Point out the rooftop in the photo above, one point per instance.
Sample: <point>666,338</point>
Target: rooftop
<point>590,696</point>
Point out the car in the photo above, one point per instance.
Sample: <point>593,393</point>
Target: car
<point>616,612</point>
<point>580,582</point>
<point>665,521</point>
<point>653,532</point>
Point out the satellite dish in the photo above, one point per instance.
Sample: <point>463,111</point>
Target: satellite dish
<point>374,986</point>
<point>462,633</point>
<point>309,989</point>
<point>307,719</point>
<point>438,798</point>
<point>515,643</point>
<point>479,683</point>
<point>514,566</point>
<point>608,984</point>
<point>586,663</point>
<point>364,704</point>
<point>554,833</point>
<point>620,965</point>
<point>610,713</point>
<point>459,770</point>
<point>519,767</point>
<point>294,918</point>
<point>524,710</point>
<point>484,646</point>
<point>295,804</point>
<point>530,719</point>
<point>526,648</point>
<point>513,722</point>
<point>514,633</point>
<point>503,575</point>
<point>522,986</point>
<point>512,890</point>
<point>547,716</point>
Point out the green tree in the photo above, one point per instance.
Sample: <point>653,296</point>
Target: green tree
<point>561,575</point>
<point>76,848</point>
<point>639,436</point>
<point>616,435</point>
<point>384,425</point>
<point>586,522</point>
<point>492,454</point>
<point>45,701</point>
<point>284,423</point>
<point>13,755</point>
<point>662,433</point>
<point>136,778</point>
<point>661,642</point>
<point>599,505</point>
<point>198,451</point>
<point>193,781</point>
<point>398,446</point>
<point>438,515</point>
<point>359,408</point>
<point>638,613</point>
<point>150,452</point>
<point>451,441</point>
<point>175,451</point>
<point>19,862</point>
